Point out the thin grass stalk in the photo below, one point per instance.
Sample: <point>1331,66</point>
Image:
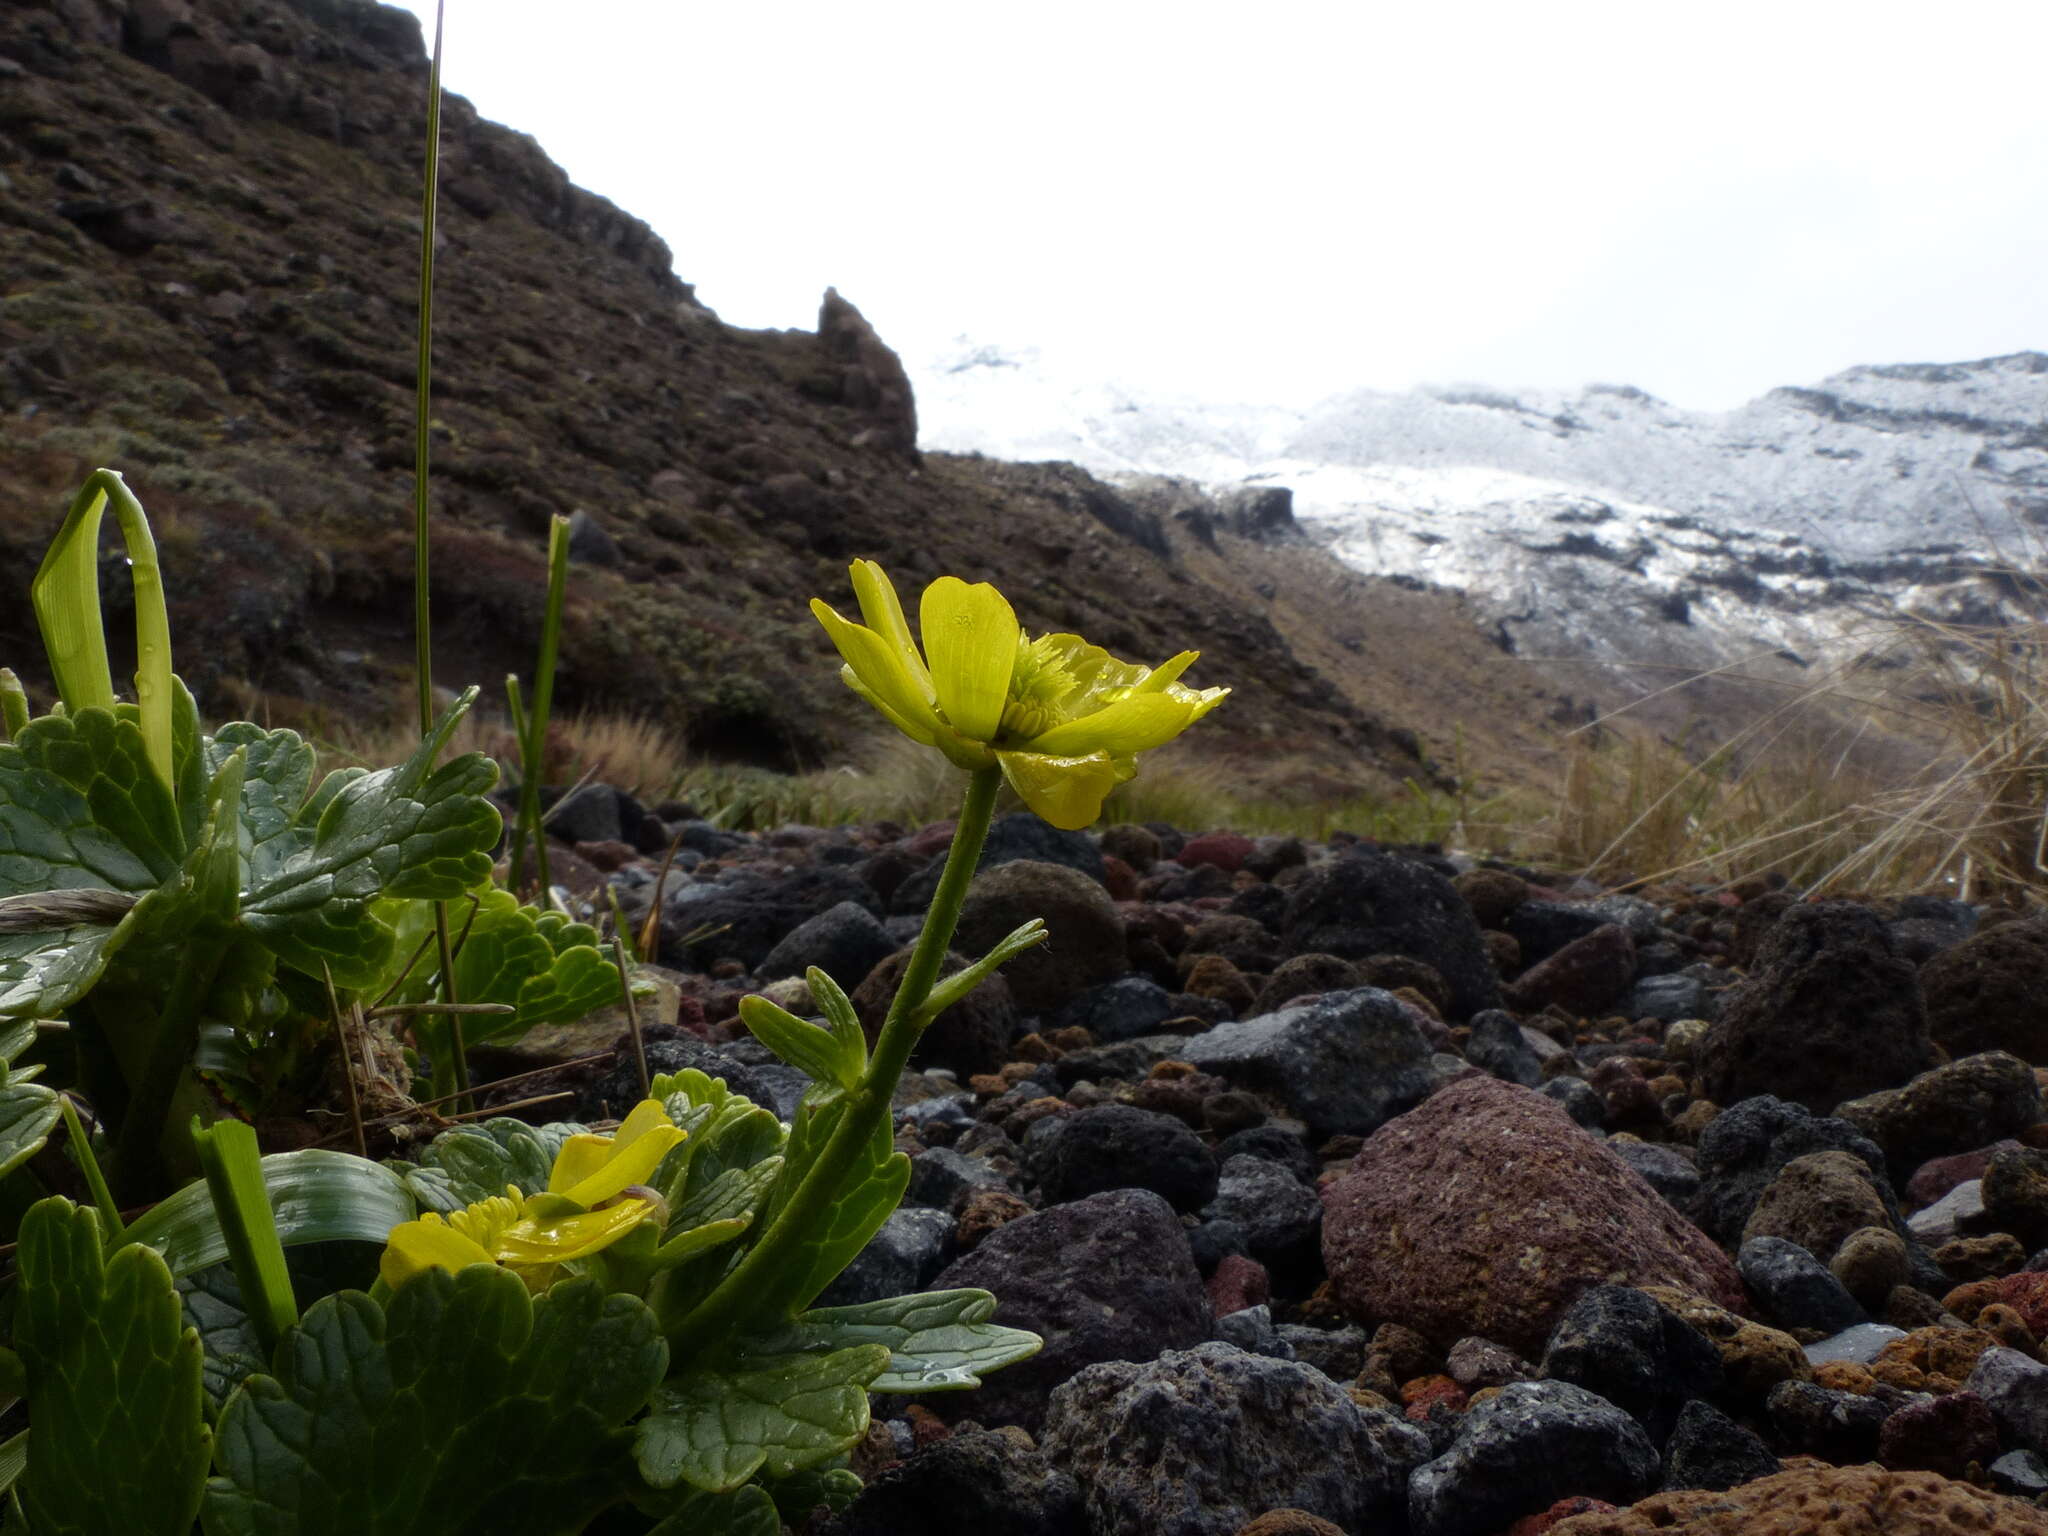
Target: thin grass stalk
<point>423,645</point>
<point>533,738</point>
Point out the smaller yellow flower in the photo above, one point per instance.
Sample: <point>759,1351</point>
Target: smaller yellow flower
<point>1063,718</point>
<point>592,1169</point>
<point>585,1210</point>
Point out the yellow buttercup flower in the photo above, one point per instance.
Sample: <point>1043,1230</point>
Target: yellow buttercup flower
<point>585,1210</point>
<point>1063,718</point>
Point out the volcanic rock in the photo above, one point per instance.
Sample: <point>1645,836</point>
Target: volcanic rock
<point>1414,1231</point>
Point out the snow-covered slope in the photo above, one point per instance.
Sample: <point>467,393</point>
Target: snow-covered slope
<point>1603,523</point>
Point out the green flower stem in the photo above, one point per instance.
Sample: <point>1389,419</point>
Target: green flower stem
<point>869,1102</point>
<point>138,1167</point>
<point>96,1181</point>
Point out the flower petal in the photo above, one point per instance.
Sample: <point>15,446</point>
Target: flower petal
<point>919,734</point>
<point>1131,725</point>
<point>884,613</point>
<point>1168,672</point>
<point>533,1242</point>
<point>879,668</point>
<point>1066,791</point>
<point>414,1247</point>
<point>630,1160</point>
<point>970,641</point>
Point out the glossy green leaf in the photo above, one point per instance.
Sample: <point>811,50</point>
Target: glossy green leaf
<point>231,1351</point>
<point>274,788</point>
<point>938,1340</point>
<point>799,1493</point>
<point>121,1443</point>
<point>715,1429</point>
<point>812,1051</point>
<point>315,1196</point>
<point>545,967</point>
<point>844,1023</point>
<point>409,831</point>
<point>466,1407</point>
<point>870,1188</point>
<point>475,1162</point>
<point>81,806</point>
<point>28,1110</point>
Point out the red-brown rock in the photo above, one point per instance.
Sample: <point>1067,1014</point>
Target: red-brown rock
<point>1823,1501</point>
<point>1487,1210</point>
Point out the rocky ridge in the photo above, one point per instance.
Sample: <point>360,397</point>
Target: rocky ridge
<point>208,233</point>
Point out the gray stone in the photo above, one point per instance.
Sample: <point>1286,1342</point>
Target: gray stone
<point>1634,1352</point>
<point>1796,1290</point>
<point>1087,946</point>
<point>993,1483</point>
<point>1366,902</point>
<point>1251,1330</point>
<point>1346,1063</point>
<point>1664,1168</point>
<point>1199,1442</point>
<point>898,1259</point>
<point>1859,1345</point>
<point>1119,1146</point>
<point>1521,1451</point>
<point>2023,1474</point>
<point>1281,1217</point>
<point>1496,1045</point>
<point>1580,1100</point>
<point>844,941</point>
<point>1710,1450</point>
<point>1956,1212</point>
<point>943,1178</point>
<point>1105,1278</point>
<point>2015,1387</point>
<point>1124,1009</point>
<point>1671,997</point>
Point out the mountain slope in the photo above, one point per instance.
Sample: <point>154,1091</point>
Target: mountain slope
<point>208,224</point>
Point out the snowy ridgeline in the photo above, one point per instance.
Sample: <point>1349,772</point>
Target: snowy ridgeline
<point>1604,523</point>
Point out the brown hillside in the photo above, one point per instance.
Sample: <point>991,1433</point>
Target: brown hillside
<point>208,230</point>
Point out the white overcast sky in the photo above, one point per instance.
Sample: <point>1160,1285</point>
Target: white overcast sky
<point>1269,200</point>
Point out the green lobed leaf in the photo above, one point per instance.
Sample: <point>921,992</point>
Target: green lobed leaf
<point>541,964</point>
<point>315,1196</point>
<point>466,1407</point>
<point>938,1340</point>
<point>812,1051</point>
<point>274,788</point>
<point>231,1351</point>
<point>409,831</point>
<point>81,806</point>
<point>714,1429</point>
<point>121,1442</point>
<point>475,1162</point>
<point>798,1494</point>
<point>869,1189</point>
<point>28,1113</point>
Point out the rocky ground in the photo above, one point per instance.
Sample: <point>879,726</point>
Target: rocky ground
<point>1375,1190</point>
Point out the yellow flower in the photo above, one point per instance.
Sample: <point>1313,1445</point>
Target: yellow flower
<point>585,1210</point>
<point>1063,718</point>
